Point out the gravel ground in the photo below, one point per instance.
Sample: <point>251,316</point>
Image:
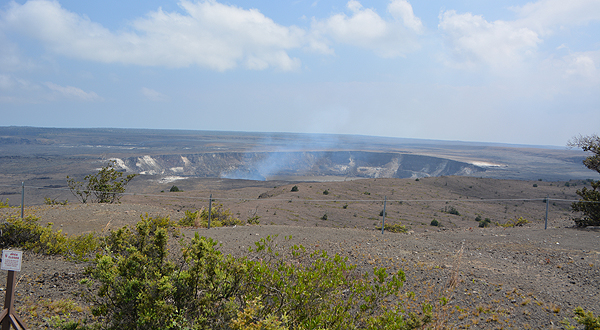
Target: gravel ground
<point>511,278</point>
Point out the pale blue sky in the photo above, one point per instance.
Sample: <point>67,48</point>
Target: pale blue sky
<point>472,70</point>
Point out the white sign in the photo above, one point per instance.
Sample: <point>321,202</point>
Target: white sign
<point>11,260</point>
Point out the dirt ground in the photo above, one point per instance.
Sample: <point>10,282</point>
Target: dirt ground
<point>509,278</point>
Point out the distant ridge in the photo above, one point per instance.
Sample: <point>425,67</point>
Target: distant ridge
<point>244,152</point>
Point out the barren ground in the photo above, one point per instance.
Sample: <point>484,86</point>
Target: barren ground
<point>511,278</point>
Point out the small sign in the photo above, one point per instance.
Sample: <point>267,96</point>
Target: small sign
<point>11,260</point>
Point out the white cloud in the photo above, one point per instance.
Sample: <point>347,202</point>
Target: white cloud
<point>545,16</point>
<point>473,40</point>
<point>402,9</point>
<point>73,92</point>
<point>153,95</point>
<point>209,34</point>
<point>366,29</point>
<point>506,44</point>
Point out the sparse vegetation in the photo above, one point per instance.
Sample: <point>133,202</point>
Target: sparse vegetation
<point>435,223</point>
<point>325,192</point>
<point>4,205</point>
<point>28,234</point>
<point>515,223</point>
<point>485,223</point>
<point>219,217</point>
<point>295,189</point>
<point>52,201</point>
<point>106,186</point>
<point>587,319</point>
<point>451,210</point>
<point>174,188</point>
<point>394,227</point>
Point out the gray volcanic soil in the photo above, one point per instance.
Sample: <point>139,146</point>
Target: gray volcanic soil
<point>522,277</point>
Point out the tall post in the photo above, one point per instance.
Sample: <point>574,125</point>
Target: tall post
<point>547,202</point>
<point>11,261</point>
<point>209,209</point>
<point>383,221</point>
<point>9,299</point>
<point>22,199</point>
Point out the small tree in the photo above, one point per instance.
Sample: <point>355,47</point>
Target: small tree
<point>589,203</point>
<point>106,186</point>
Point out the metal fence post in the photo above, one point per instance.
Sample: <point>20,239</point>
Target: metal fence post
<point>22,199</point>
<point>209,209</point>
<point>383,221</point>
<point>547,202</point>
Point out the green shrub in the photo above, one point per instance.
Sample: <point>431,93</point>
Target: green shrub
<point>106,186</point>
<point>219,217</point>
<point>324,217</point>
<point>484,223</point>
<point>255,220</point>
<point>587,319</point>
<point>325,192</point>
<point>478,218</point>
<point>174,188</point>
<point>515,223</point>
<point>4,205</point>
<point>434,222</point>
<point>138,287</point>
<point>589,205</point>
<point>295,189</point>
<point>451,210</point>
<point>394,227</point>
<point>52,201</point>
<point>26,233</point>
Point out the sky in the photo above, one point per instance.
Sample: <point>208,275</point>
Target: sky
<point>505,71</point>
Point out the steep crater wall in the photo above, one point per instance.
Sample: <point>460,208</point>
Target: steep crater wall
<point>263,165</point>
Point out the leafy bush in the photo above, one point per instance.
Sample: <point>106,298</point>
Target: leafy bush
<point>515,223</point>
<point>484,223</point>
<point>4,205</point>
<point>28,234</point>
<point>174,188</point>
<point>394,227</point>
<point>219,217</point>
<point>52,201</point>
<point>106,186</point>
<point>295,188</point>
<point>255,220</point>
<point>587,319</point>
<point>325,192</point>
<point>324,217</point>
<point>139,288</point>
<point>451,210</point>
<point>589,205</point>
<point>434,222</point>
